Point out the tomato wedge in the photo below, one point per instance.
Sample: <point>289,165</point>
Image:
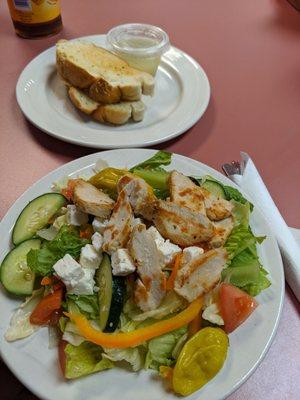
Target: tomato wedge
<point>235,306</point>
<point>42,313</point>
<point>62,356</point>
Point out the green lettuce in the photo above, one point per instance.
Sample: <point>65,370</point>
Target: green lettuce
<point>152,172</point>
<point>160,349</point>
<point>244,269</point>
<point>87,304</point>
<point>260,284</point>
<point>67,241</point>
<point>85,359</point>
<point>135,356</point>
<point>232,193</point>
<point>160,158</point>
<point>240,213</point>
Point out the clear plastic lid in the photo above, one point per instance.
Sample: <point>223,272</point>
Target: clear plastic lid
<point>140,40</point>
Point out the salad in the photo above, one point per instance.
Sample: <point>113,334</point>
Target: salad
<point>145,266</point>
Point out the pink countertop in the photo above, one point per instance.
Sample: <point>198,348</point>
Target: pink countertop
<point>250,51</point>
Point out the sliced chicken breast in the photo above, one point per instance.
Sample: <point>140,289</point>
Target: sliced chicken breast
<point>201,274</point>
<point>92,200</point>
<point>181,225</point>
<point>216,208</point>
<point>223,229</point>
<point>117,232</point>
<point>185,193</point>
<point>151,287</point>
<point>140,194</point>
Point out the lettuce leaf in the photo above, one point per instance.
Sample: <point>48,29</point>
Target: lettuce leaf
<point>260,284</point>
<point>67,241</point>
<point>152,172</point>
<point>160,349</point>
<point>241,238</point>
<point>85,359</point>
<point>240,213</point>
<point>244,269</point>
<point>160,158</point>
<point>232,193</point>
<point>87,304</point>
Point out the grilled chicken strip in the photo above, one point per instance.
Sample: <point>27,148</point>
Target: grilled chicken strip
<point>181,225</point>
<point>92,200</point>
<point>140,194</point>
<point>185,193</point>
<point>223,229</point>
<point>118,229</point>
<point>201,274</point>
<point>215,207</point>
<point>151,287</point>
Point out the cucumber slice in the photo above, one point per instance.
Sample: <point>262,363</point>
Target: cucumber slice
<point>15,275</point>
<point>36,215</point>
<point>111,296</point>
<point>214,188</point>
<point>104,282</point>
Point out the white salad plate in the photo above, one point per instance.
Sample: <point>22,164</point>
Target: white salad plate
<point>36,366</point>
<point>181,96</point>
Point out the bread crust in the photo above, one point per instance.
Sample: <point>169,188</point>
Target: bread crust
<point>117,114</point>
<point>108,78</point>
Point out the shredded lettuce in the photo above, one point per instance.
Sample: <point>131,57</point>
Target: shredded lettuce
<point>87,304</point>
<point>48,233</point>
<point>20,326</point>
<point>170,304</point>
<point>72,335</point>
<point>67,241</point>
<point>160,349</point>
<point>135,356</point>
<point>85,359</point>
<point>244,269</point>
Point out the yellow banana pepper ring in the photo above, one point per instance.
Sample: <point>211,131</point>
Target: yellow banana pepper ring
<point>130,339</point>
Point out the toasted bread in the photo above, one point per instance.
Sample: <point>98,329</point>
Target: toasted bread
<point>117,114</point>
<point>107,78</point>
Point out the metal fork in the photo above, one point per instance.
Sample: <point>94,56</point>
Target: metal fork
<point>233,168</point>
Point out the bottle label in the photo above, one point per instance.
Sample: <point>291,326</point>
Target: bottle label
<point>34,11</point>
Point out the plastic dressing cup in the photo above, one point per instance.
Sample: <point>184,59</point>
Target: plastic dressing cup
<point>141,45</point>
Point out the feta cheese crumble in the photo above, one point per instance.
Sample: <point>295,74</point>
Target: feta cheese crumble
<point>167,250</point>
<point>97,241</point>
<point>122,263</point>
<point>190,253</point>
<point>90,258</point>
<point>77,279</point>
<point>99,225</point>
